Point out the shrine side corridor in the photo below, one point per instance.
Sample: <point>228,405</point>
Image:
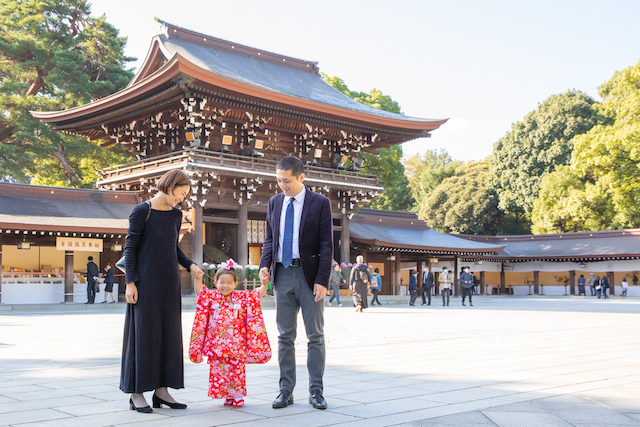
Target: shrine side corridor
<point>506,361</point>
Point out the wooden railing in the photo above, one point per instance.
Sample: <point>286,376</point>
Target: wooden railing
<point>230,165</point>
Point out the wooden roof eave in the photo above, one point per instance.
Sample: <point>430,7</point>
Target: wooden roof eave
<point>62,228</point>
<point>114,101</point>
<point>554,257</point>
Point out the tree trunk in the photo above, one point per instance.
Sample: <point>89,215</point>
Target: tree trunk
<point>68,171</point>
<point>36,85</point>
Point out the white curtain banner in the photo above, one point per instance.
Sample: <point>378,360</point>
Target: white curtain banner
<point>595,267</point>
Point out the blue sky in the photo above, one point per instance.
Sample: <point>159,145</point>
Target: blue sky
<point>482,64</point>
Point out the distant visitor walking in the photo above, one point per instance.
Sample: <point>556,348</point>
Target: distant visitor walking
<point>359,279</point>
<point>427,285</point>
<point>375,286</point>
<point>413,287</point>
<point>445,280</point>
<point>466,280</point>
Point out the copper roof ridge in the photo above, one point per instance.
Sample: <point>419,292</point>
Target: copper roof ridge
<point>174,31</point>
<point>534,237</point>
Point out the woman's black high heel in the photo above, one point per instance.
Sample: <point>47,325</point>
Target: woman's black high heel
<point>157,403</point>
<point>144,409</point>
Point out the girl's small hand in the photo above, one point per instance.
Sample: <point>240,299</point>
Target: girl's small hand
<point>195,271</point>
<point>263,290</point>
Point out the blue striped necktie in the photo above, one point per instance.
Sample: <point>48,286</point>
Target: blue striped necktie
<point>287,241</point>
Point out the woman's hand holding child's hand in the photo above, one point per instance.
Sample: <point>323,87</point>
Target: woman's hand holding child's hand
<point>195,271</point>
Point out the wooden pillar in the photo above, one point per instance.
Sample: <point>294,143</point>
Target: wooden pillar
<point>0,266</point>
<point>345,251</point>
<point>420,277</point>
<point>536,283</point>
<point>436,283</point>
<point>572,282</point>
<point>502,282</point>
<point>68,276</point>
<point>242,239</point>
<point>396,276</point>
<point>456,281</point>
<point>482,287</point>
<point>196,241</point>
<point>612,285</point>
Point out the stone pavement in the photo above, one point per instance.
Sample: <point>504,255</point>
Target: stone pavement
<point>508,361</point>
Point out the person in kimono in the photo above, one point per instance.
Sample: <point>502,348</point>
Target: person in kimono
<point>229,330</point>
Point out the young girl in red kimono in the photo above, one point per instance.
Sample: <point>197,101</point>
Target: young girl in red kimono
<point>229,329</point>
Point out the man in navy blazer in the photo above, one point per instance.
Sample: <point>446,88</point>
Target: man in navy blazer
<point>296,257</point>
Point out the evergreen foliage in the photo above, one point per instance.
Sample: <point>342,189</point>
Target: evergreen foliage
<point>387,164</point>
<point>54,56</point>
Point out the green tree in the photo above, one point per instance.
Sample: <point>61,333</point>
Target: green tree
<point>387,164</point>
<point>464,203</point>
<point>54,55</point>
<point>601,189</point>
<point>536,146</point>
<point>426,172</point>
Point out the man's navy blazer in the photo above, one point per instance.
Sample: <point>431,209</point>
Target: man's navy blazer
<point>315,239</point>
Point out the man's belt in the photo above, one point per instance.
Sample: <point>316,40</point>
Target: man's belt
<point>295,263</point>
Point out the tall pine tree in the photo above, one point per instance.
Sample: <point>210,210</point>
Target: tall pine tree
<point>54,55</point>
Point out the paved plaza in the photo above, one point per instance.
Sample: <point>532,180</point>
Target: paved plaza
<point>507,361</point>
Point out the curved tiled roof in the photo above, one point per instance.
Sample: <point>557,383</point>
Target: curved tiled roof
<point>268,75</point>
<point>403,230</point>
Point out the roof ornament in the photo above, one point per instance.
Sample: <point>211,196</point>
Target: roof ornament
<point>162,30</point>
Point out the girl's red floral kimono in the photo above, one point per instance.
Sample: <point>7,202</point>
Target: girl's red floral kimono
<point>231,332</point>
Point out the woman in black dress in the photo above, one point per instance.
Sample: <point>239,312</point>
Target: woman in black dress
<point>152,354</point>
<point>359,279</point>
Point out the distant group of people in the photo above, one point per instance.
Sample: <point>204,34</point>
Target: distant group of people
<point>364,278</point>
<point>93,286</point>
<point>361,280</point>
<point>599,286</point>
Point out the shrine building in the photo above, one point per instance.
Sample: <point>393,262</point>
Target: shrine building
<point>226,114</point>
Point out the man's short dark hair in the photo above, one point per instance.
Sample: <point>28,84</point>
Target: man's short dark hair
<point>291,163</point>
<point>377,270</point>
<point>90,258</point>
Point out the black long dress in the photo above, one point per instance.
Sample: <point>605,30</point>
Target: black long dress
<point>152,354</point>
<point>360,291</point>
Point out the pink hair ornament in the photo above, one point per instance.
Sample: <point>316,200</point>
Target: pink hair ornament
<point>230,264</point>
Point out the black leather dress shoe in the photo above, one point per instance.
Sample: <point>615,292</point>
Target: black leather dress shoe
<point>317,401</point>
<point>144,409</point>
<point>157,403</point>
<point>284,399</point>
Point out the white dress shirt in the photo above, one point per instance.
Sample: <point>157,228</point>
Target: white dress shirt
<point>298,202</point>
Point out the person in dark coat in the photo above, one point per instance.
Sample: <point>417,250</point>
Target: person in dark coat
<point>359,279</point>
<point>296,257</point>
<point>604,283</point>
<point>427,284</point>
<point>92,280</point>
<point>466,281</point>
<point>152,353</point>
<point>581,283</point>
<point>108,280</point>
<point>413,287</point>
